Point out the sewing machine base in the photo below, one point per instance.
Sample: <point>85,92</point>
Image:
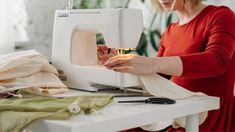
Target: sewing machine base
<point>116,91</point>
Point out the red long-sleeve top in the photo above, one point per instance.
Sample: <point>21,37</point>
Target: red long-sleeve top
<point>206,46</point>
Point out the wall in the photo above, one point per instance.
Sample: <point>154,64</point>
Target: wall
<point>35,20</point>
<point>229,3</point>
<point>6,27</point>
<point>37,24</point>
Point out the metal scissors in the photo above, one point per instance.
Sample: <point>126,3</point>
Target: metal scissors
<point>151,101</point>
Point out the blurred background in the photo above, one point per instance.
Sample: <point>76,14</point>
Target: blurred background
<point>28,24</point>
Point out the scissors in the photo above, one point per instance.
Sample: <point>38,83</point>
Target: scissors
<point>151,101</point>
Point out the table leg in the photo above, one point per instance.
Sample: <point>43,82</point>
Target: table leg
<point>192,123</point>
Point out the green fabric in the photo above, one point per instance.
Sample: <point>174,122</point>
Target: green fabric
<point>15,114</point>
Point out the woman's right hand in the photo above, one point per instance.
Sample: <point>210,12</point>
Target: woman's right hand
<point>104,53</point>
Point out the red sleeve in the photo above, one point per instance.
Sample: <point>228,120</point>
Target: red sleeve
<point>160,53</point>
<point>219,50</point>
<point>160,50</point>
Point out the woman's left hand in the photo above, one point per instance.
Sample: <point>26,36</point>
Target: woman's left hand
<point>131,63</point>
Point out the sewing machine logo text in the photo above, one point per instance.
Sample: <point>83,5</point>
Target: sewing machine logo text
<point>62,15</point>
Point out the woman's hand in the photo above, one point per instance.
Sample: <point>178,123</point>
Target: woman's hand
<point>105,53</point>
<point>131,63</point>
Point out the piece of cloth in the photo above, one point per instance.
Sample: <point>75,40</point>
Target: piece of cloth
<point>206,46</point>
<point>29,69</point>
<point>162,87</point>
<point>16,113</point>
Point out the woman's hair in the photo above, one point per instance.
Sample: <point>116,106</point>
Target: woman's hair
<point>187,3</point>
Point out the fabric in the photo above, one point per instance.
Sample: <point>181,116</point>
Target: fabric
<point>15,113</point>
<point>206,46</point>
<point>29,69</point>
<point>161,87</point>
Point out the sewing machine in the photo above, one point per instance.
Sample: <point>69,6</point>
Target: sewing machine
<point>74,45</point>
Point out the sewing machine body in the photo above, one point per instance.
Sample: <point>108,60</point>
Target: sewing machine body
<point>74,44</point>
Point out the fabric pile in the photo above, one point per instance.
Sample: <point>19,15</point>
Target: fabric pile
<point>16,114</point>
<point>28,69</point>
<point>28,75</point>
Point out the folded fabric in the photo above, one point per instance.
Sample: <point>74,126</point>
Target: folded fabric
<point>15,114</point>
<point>29,69</point>
<point>161,87</point>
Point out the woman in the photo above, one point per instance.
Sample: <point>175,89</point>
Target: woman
<point>198,52</point>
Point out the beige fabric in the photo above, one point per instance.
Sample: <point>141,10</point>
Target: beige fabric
<point>161,87</point>
<point>29,69</point>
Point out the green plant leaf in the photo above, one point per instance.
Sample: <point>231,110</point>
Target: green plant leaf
<point>142,1</point>
<point>159,35</point>
<point>127,3</point>
<point>85,4</point>
<point>169,20</point>
<point>99,39</point>
<point>75,4</point>
<point>98,4</point>
<point>142,45</point>
<point>153,41</point>
<point>146,53</point>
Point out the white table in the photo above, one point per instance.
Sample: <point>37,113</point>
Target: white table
<point>117,117</point>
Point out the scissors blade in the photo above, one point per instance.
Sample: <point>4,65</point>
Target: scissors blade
<point>133,101</point>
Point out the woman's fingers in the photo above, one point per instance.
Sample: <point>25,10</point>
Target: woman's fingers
<point>103,58</point>
<point>124,69</point>
<point>118,57</point>
<point>116,62</point>
<point>101,52</point>
<point>101,49</point>
<point>104,53</point>
<point>119,60</point>
<point>133,64</point>
<point>102,46</point>
<point>118,65</point>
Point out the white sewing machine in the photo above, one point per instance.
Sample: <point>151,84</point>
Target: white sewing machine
<point>74,44</point>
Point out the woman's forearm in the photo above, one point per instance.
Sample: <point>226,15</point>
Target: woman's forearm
<point>169,65</point>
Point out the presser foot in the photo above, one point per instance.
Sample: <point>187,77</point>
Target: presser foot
<point>121,92</point>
